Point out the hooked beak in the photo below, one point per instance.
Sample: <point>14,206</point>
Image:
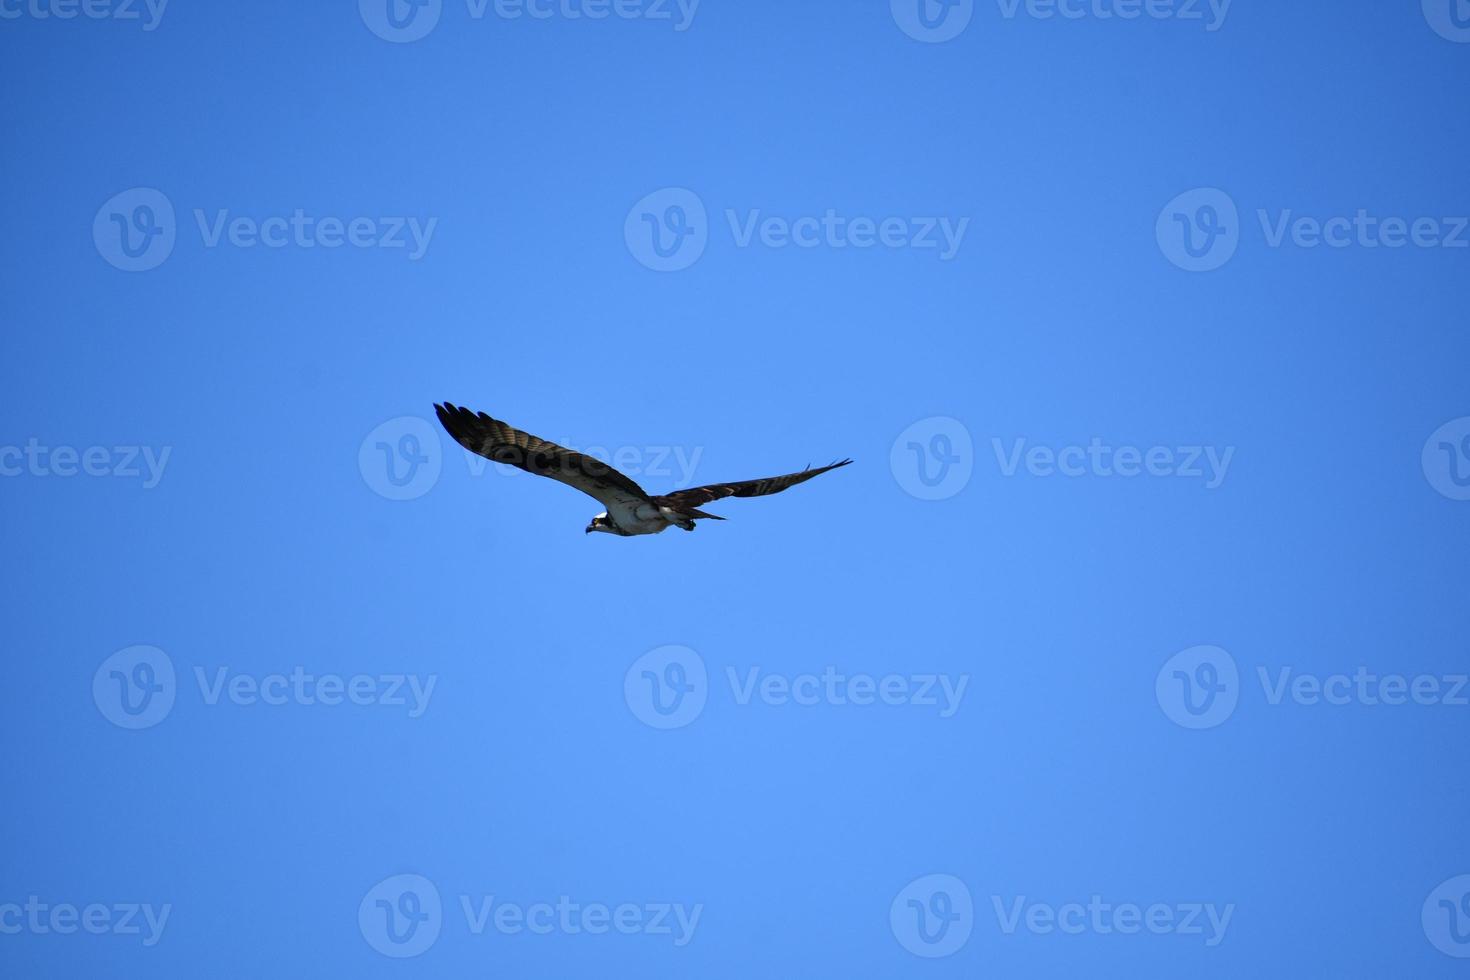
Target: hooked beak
<point>588,529</point>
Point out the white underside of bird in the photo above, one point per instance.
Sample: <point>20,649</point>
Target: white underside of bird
<point>643,519</point>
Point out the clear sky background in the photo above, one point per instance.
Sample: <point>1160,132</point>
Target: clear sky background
<point>1081,760</point>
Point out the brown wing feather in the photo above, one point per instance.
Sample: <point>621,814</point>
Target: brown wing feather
<point>495,440</point>
<point>696,496</point>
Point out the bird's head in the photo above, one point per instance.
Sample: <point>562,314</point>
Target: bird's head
<point>601,523</point>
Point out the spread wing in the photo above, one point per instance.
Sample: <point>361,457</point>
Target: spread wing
<point>495,440</point>
<point>695,496</point>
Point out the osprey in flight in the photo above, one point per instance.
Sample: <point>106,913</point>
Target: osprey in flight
<point>629,511</point>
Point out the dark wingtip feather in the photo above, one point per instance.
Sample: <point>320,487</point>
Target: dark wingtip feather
<point>452,417</point>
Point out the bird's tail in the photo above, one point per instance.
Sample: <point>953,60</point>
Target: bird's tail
<point>699,513</point>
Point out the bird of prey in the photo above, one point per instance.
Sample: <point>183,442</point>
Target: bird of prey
<point>630,510</point>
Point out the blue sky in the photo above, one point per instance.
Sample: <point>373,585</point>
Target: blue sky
<point>1132,644</point>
